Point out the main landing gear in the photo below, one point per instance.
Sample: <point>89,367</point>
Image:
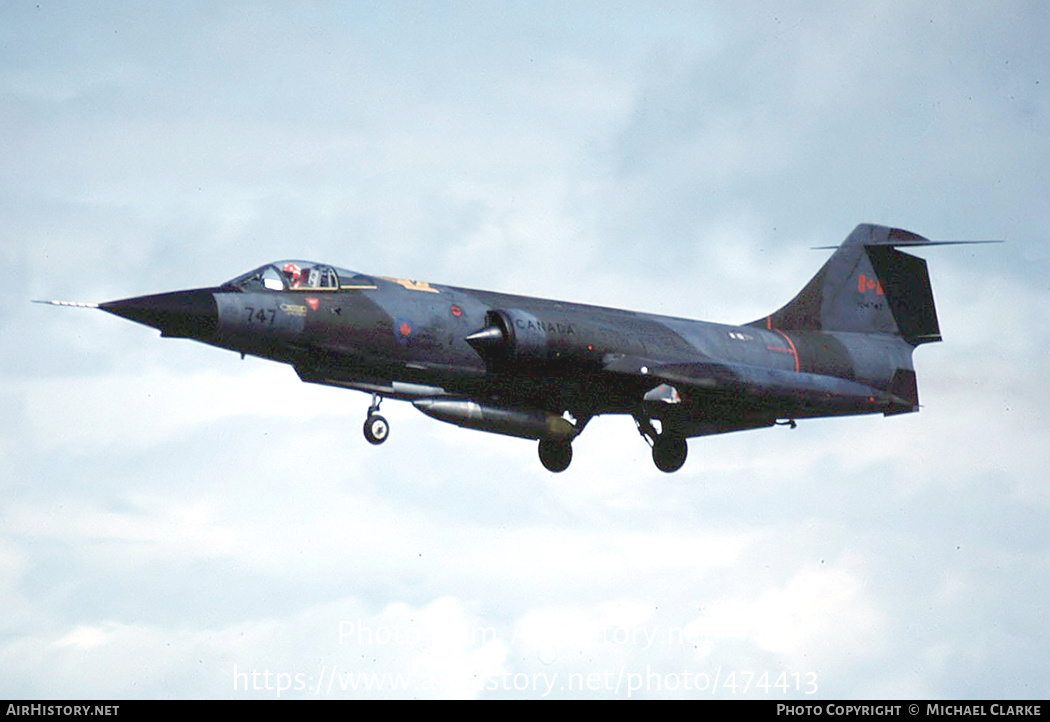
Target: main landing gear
<point>555,455</point>
<point>376,427</point>
<point>669,447</point>
<point>556,451</point>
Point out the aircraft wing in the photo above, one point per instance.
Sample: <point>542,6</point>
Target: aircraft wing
<point>750,390</point>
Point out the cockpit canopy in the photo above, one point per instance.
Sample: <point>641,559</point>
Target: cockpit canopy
<point>290,276</point>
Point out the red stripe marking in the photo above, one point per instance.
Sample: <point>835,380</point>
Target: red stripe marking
<point>794,351</point>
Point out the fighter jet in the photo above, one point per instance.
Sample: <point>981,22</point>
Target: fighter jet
<point>541,370</point>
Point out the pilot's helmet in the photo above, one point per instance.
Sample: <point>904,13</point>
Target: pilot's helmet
<point>293,273</point>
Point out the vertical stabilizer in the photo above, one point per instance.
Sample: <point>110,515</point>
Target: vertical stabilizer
<point>867,286</point>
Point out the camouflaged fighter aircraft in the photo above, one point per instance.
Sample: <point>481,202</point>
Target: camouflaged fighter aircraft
<point>540,369</point>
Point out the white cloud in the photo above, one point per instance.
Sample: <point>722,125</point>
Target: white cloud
<point>822,617</point>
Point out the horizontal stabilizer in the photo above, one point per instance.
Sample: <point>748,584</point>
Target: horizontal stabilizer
<point>910,242</point>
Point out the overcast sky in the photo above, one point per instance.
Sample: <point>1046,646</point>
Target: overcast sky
<point>170,524</point>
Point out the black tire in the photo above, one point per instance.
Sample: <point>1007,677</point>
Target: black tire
<point>555,455</point>
<point>669,452</point>
<point>376,429</point>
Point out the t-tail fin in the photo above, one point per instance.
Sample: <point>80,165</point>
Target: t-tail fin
<point>868,286</point>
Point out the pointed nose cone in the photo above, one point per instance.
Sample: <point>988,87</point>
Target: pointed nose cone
<point>182,314</point>
<point>487,338</point>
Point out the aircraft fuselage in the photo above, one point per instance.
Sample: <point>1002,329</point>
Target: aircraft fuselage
<point>541,369</point>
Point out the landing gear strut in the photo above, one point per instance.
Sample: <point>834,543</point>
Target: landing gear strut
<point>555,455</point>
<point>669,447</point>
<point>376,427</point>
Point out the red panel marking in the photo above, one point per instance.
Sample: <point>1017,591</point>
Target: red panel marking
<point>312,303</point>
<point>794,351</point>
<point>457,311</point>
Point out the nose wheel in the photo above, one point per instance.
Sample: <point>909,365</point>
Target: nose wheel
<point>376,427</point>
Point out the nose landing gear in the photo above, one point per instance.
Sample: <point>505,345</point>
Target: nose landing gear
<point>376,427</point>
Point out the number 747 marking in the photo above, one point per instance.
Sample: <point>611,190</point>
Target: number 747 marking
<point>261,316</point>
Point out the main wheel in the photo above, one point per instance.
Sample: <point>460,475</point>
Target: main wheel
<point>555,455</point>
<point>376,429</point>
<point>669,452</point>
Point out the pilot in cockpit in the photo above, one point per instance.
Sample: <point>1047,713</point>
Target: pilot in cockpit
<point>292,274</point>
